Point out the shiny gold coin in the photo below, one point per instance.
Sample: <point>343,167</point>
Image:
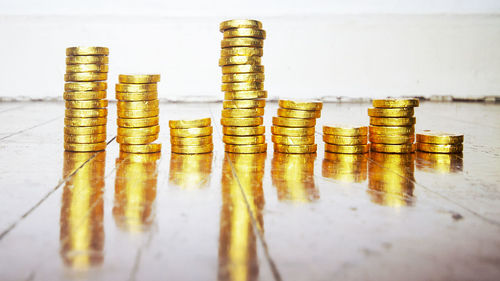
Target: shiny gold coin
<point>242,51</point>
<point>293,132</point>
<point>90,130</point>
<point>136,140</point>
<point>191,132</point>
<point>439,138</point>
<point>87,51</point>
<point>294,122</point>
<point>391,112</point>
<point>343,140</point>
<point>84,147</point>
<point>70,68</point>
<point>291,113</point>
<point>242,122</point>
<point>392,139</point>
<point>240,140</point>
<point>347,149</point>
<point>242,68</point>
<point>87,104</point>
<point>138,78</point>
<point>234,104</point>
<point>245,95</point>
<point>86,113</point>
<point>196,149</point>
<point>136,88</point>
<point>137,105</point>
<point>301,105</point>
<point>84,96</point>
<point>241,42</point>
<point>440,148</point>
<point>244,131</point>
<point>391,103</point>
<point>138,122</point>
<point>87,59</point>
<point>135,132</point>
<point>141,148</point>
<point>287,140</point>
<point>383,130</point>
<point>393,148</point>
<point>245,32</point>
<point>242,112</point>
<point>347,131</point>
<point>137,113</point>
<point>94,138</point>
<point>178,141</point>
<point>243,77</point>
<point>295,149</point>
<point>246,148</point>
<point>392,121</point>
<point>185,124</point>
<point>85,122</point>
<point>85,86</point>
<point>236,60</point>
<point>137,96</point>
<point>230,24</point>
<point>85,76</point>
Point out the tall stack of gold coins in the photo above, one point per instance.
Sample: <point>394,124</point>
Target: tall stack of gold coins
<point>348,140</point>
<point>392,125</point>
<point>437,142</point>
<point>243,84</point>
<point>85,95</point>
<point>191,136</point>
<point>138,113</point>
<point>294,128</point>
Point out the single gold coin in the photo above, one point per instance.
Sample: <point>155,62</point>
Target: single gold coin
<point>347,149</point>
<point>391,103</point>
<point>178,141</point>
<point>185,124</point>
<point>192,149</point>
<point>85,86</point>
<point>292,113</point>
<point>141,148</point>
<point>243,77</point>
<point>391,112</point>
<point>85,76</point>
<point>191,132</point>
<point>242,23</point>
<point>295,149</point>
<point>94,138</point>
<point>87,51</point>
<point>85,147</point>
<point>293,132</point>
<point>392,121</point>
<point>138,122</point>
<point>242,112</point>
<point>86,113</point>
<point>136,140</point>
<point>87,60</point>
<point>246,148</point>
<point>343,140</point>
<point>89,130</point>
<point>440,148</point>
<point>392,139</point>
<point>393,148</point>
<point>294,122</point>
<point>301,104</point>
<point>136,88</point>
<point>243,139</point>
<point>236,60</point>
<point>245,32</point>
<point>241,42</point>
<point>287,140</point>
<point>138,78</point>
<point>244,131</point>
<point>245,95</point>
<point>87,104</point>
<point>135,132</point>
<point>85,122</point>
<point>439,138</point>
<point>391,130</point>
<point>137,113</point>
<point>242,122</point>
<point>242,68</point>
<point>70,68</point>
<point>84,96</point>
<point>235,104</point>
<point>343,130</point>
<point>242,51</point>
<point>136,96</point>
<point>137,105</point>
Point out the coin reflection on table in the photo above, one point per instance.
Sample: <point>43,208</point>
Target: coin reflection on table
<point>440,162</point>
<point>345,167</point>
<point>293,177</point>
<point>135,191</point>
<point>82,231</point>
<point>391,179</point>
<point>190,170</point>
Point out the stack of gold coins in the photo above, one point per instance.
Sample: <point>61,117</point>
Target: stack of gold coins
<point>437,142</point>
<point>243,84</point>
<point>191,136</point>
<point>392,125</point>
<point>294,127</point>
<point>344,139</point>
<point>85,95</point>
<point>138,113</point>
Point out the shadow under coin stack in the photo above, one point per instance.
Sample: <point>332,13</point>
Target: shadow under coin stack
<point>437,142</point>
<point>243,84</point>
<point>347,140</point>
<point>138,113</point>
<point>294,128</point>
<point>191,136</point>
<point>392,125</point>
<point>85,95</point>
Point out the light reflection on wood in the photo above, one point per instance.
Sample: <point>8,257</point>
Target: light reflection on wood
<point>345,167</point>
<point>440,162</point>
<point>190,171</point>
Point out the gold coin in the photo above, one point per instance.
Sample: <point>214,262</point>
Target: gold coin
<point>287,140</point>
<point>87,59</point>
<point>93,138</point>
<point>347,131</point>
<point>348,149</point>
<point>70,68</point>
<point>391,103</point>
<point>87,104</point>
<point>246,148</point>
<point>291,113</point>
<point>242,112</point>
<point>305,148</point>
<point>391,112</point>
<point>244,131</point>
<point>137,113</point>
<point>178,141</point>
<point>85,147</point>
<point>236,60</point>
<point>245,95</point>
<point>241,42</point>
<point>230,24</point>
<point>242,122</point>
<point>185,124</point>
<point>392,121</point>
<point>86,113</point>
<point>242,68</point>
<point>382,130</point>
<point>138,105</point>
<point>243,139</point>
<point>85,122</point>
<point>90,130</point>
<point>138,78</point>
<point>141,148</point>
<point>439,138</point>
<point>245,32</point>
<point>195,149</point>
<point>84,96</point>
<point>191,132</point>
<point>87,51</point>
<point>136,88</point>
<point>393,148</point>
<point>343,140</point>
<point>301,105</point>
<point>138,122</point>
<point>135,132</point>
<point>85,86</point>
<point>243,77</point>
<point>233,104</point>
<point>242,51</point>
<point>85,76</point>
<point>293,132</point>
<point>294,122</point>
<point>137,96</point>
<point>136,140</point>
<point>440,148</point>
<point>392,139</point>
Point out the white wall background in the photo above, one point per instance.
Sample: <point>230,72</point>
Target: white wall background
<point>364,48</point>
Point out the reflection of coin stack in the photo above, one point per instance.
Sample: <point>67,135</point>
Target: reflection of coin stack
<point>85,95</point>
<point>190,171</point>
<point>191,136</point>
<point>345,167</point>
<point>445,163</point>
<point>392,125</point>
<point>293,130</point>
<point>348,140</point>
<point>138,113</point>
<point>243,84</point>
<point>437,142</point>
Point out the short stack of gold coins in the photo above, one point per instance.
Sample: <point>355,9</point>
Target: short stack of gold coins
<point>438,142</point>
<point>138,113</point>
<point>191,136</point>
<point>294,128</point>
<point>85,94</point>
<point>392,125</point>
<point>345,139</point>
<point>243,84</point>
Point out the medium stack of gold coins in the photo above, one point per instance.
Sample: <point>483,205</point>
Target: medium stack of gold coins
<point>294,127</point>
<point>348,140</point>
<point>85,95</point>
<point>138,113</point>
<point>191,136</point>
<point>243,84</point>
<point>436,142</point>
<point>392,125</point>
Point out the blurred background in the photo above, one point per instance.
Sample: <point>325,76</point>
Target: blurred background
<point>315,48</point>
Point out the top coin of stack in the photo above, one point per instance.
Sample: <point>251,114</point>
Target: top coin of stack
<point>85,94</point>
<point>342,139</point>
<point>138,113</point>
<point>392,125</point>
<point>437,142</point>
<point>294,127</point>
<point>191,136</point>
<point>243,84</point>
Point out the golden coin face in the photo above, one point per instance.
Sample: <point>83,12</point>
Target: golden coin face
<point>245,32</point>
<point>242,112</point>
<point>244,131</point>
<point>87,104</point>
<point>392,139</point>
<point>242,51</point>
<point>347,149</point>
<point>87,51</point>
<point>195,123</point>
<point>245,95</point>
<point>287,140</point>
<point>84,96</point>
<point>85,86</point>
<point>137,113</point>
<point>235,60</point>
<point>85,122</point>
<point>135,132</point>
<point>344,130</point>
<point>291,113</point>
<point>301,104</point>
<point>137,105</point>
<point>137,122</point>
<point>136,140</point>
<point>136,88</point>
<point>246,149</point>
<point>243,77</point>
<point>234,104</point>
<point>440,148</point>
<point>138,78</point>
<point>136,96</point>
<point>70,68</point>
<point>305,148</point>
<point>439,137</point>
<point>86,113</point>
<point>294,132</point>
<point>85,147</point>
<point>94,138</point>
<point>392,121</point>
<point>343,140</point>
<point>242,68</point>
<point>141,148</point>
<point>391,103</point>
<point>391,130</point>
<point>242,86</point>
<point>294,122</point>
<point>391,112</point>
<point>198,149</point>
<point>393,148</point>
<point>240,23</point>
<point>85,76</point>
<point>179,141</point>
<point>191,132</point>
<point>241,42</point>
<point>87,60</point>
<point>89,130</point>
<point>243,139</point>
<point>242,122</point>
